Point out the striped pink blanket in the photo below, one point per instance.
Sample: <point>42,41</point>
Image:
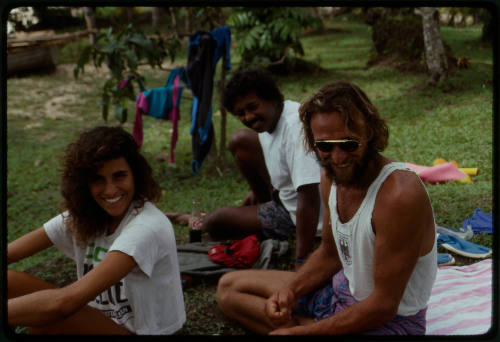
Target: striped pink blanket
<point>461,301</point>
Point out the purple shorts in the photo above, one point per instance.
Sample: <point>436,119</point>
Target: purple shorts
<point>336,296</point>
<point>275,220</point>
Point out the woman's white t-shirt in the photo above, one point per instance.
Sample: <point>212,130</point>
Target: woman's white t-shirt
<point>149,300</point>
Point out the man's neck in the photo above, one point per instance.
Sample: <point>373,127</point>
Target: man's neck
<point>372,170</point>
<point>279,112</point>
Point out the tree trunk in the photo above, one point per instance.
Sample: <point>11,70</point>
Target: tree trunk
<point>174,19</point>
<point>488,26</point>
<point>130,13</point>
<point>187,22</point>
<point>89,14</point>
<point>434,50</point>
<point>451,19</point>
<point>222,144</point>
<point>477,16</point>
<point>155,16</point>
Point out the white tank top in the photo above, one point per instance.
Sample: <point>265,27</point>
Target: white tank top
<point>355,243</point>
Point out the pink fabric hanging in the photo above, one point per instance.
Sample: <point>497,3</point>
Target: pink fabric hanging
<point>174,117</point>
<point>142,106</point>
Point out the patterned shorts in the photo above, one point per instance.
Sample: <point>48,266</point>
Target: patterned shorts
<point>336,296</point>
<point>275,220</point>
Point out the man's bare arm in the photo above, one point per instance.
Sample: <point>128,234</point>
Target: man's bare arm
<point>319,268</point>
<point>402,219</point>
<point>308,206</point>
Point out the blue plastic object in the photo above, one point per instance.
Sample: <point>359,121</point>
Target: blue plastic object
<point>480,222</point>
<point>444,259</point>
<point>462,247</point>
<point>463,234</point>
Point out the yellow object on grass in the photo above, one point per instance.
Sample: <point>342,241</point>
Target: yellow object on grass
<point>469,171</point>
<point>439,161</point>
<point>464,180</point>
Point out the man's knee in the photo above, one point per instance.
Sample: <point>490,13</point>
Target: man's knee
<point>225,287</point>
<point>215,222</point>
<point>231,282</point>
<point>211,219</point>
<point>242,140</point>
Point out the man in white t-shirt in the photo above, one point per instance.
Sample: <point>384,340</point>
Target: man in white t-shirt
<point>375,267</point>
<point>284,180</point>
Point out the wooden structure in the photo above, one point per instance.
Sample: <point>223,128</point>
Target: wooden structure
<point>36,51</point>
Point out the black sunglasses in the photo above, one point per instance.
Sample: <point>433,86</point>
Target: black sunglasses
<point>347,145</point>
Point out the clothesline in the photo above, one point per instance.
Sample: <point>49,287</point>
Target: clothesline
<point>204,51</point>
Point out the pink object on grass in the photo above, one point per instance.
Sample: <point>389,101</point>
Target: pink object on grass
<point>437,173</point>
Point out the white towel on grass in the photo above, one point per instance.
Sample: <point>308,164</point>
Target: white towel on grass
<point>461,300</point>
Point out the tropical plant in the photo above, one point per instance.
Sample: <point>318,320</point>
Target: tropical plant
<point>123,51</point>
<point>268,35</point>
<point>208,18</point>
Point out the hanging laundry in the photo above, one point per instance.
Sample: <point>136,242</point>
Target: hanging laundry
<point>204,51</point>
<point>479,222</point>
<point>129,79</point>
<point>162,103</point>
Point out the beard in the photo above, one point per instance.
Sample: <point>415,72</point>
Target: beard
<point>356,174</point>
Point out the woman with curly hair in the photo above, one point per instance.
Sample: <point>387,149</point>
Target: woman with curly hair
<point>124,248</point>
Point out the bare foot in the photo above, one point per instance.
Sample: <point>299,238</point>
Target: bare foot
<point>180,218</point>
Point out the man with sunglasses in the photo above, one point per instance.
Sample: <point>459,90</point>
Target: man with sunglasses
<point>284,180</point>
<point>375,267</point>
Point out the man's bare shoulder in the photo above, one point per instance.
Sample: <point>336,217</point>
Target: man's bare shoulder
<point>401,189</point>
<point>403,207</point>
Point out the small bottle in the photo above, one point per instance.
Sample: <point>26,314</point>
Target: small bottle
<point>195,222</point>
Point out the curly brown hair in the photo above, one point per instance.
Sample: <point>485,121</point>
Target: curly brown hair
<point>345,98</point>
<point>81,162</point>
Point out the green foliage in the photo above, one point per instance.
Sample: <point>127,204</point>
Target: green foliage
<point>208,18</point>
<point>106,11</point>
<point>265,35</point>
<point>398,32</point>
<point>123,52</point>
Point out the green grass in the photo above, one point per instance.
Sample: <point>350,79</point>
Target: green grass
<point>454,122</point>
